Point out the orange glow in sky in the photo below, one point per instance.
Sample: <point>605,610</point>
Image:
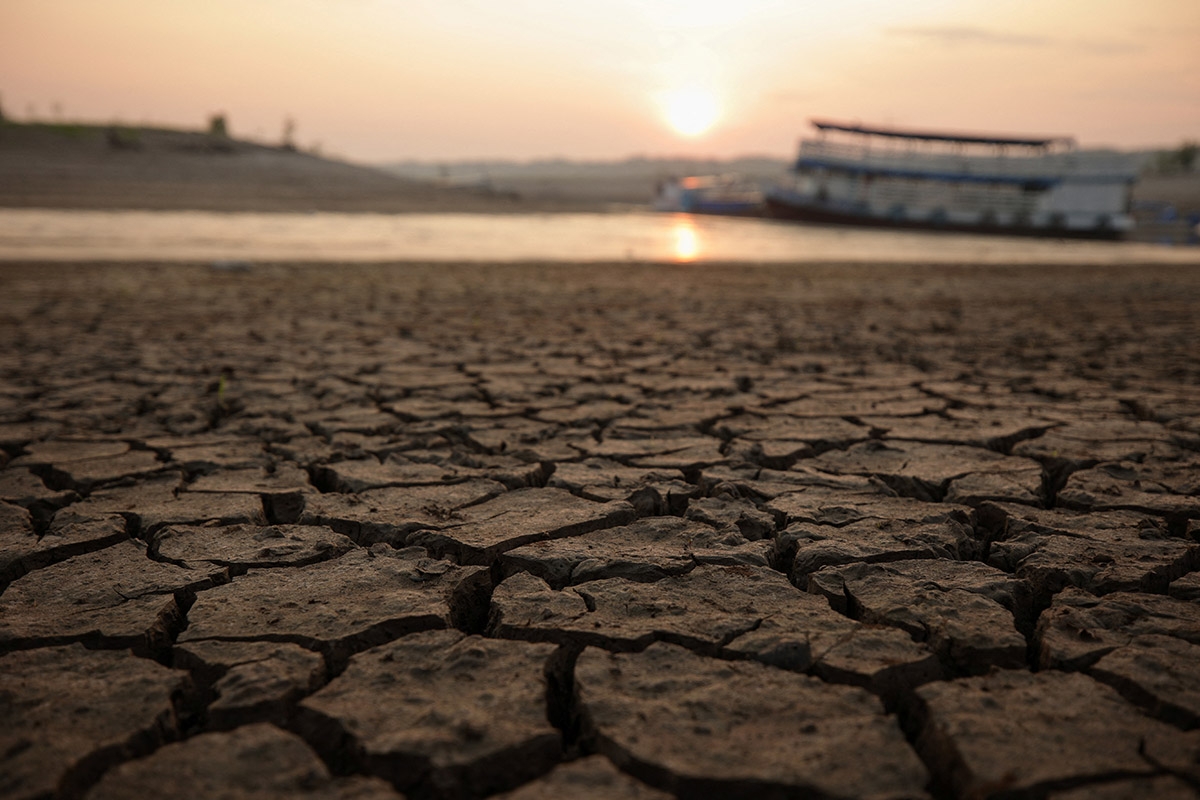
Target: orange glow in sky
<point>598,79</point>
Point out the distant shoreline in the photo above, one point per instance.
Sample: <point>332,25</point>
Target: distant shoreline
<point>94,167</point>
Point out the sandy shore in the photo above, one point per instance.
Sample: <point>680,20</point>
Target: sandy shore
<point>603,531</point>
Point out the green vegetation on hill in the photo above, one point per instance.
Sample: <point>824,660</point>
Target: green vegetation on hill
<point>1180,160</point>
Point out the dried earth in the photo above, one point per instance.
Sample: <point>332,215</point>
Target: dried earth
<point>602,531</point>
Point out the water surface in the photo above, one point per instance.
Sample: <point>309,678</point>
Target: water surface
<point>65,235</point>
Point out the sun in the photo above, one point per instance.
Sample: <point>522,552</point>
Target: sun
<point>691,111</point>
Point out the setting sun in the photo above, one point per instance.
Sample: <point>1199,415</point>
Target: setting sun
<point>691,112</point>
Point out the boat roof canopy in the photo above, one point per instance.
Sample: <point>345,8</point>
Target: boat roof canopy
<point>825,125</point>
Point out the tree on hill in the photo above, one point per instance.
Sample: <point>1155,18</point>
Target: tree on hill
<point>289,134</point>
<point>218,135</point>
<point>1181,159</point>
<point>1187,155</point>
<point>217,127</point>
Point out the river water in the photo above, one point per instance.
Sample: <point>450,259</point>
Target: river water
<point>58,235</point>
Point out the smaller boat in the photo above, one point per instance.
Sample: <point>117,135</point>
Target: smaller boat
<point>729,195</point>
<point>852,174</point>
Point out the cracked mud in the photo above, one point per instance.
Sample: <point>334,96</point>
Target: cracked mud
<point>602,531</point>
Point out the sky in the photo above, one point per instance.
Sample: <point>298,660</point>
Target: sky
<point>441,80</point>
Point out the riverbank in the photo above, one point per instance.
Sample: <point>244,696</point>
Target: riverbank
<point>650,530</point>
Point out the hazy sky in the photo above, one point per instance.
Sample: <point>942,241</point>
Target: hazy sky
<point>450,79</point>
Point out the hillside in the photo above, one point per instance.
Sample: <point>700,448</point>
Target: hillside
<point>85,166</point>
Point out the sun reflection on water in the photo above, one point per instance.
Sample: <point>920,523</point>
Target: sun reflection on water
<point>687,242</point>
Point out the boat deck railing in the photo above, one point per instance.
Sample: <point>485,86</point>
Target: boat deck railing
<point>913,160</point>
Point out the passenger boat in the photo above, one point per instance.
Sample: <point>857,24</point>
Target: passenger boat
<point>709,194</point>
<point>857,175</point>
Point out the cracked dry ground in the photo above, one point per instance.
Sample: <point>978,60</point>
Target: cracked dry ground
<point>599,531</point>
